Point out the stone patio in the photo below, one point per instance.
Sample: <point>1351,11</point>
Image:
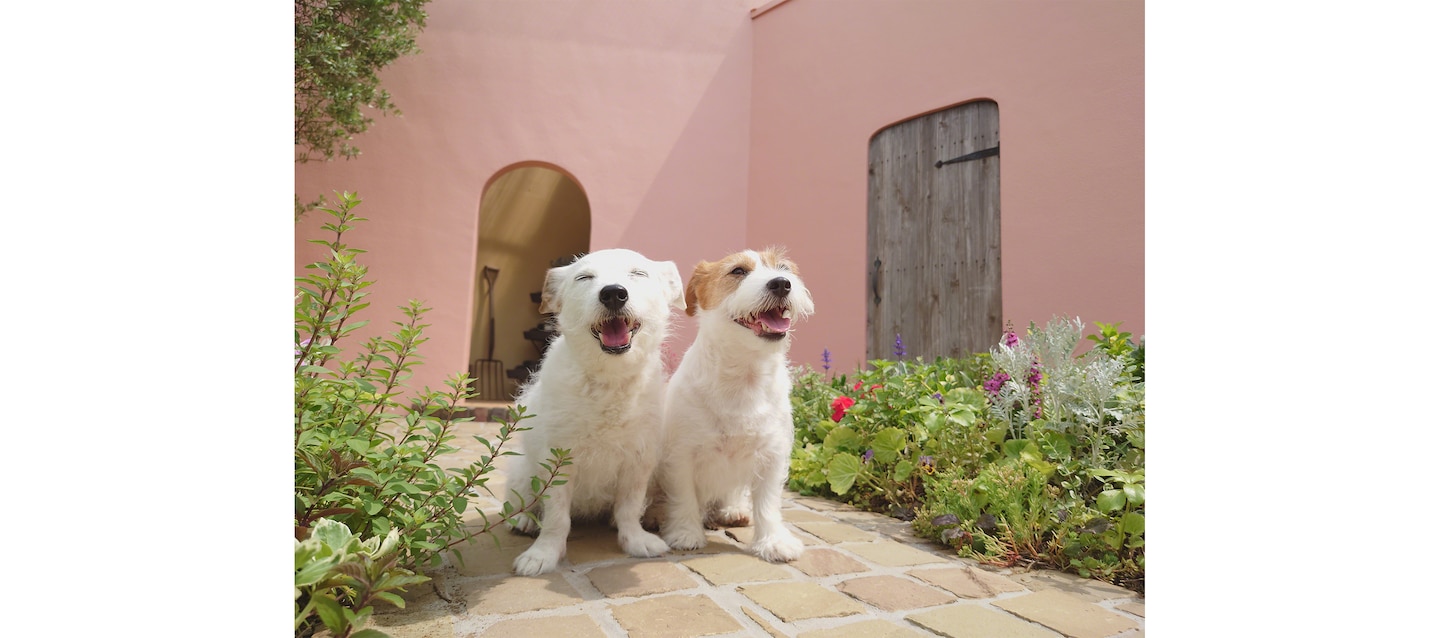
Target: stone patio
<point>862,574</point>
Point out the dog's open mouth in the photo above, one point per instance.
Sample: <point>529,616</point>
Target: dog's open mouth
<point>614,334</point>
<point>770,324</point>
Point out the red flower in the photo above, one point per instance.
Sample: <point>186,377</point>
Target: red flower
<point>857,385</point>
<point>839,406</point>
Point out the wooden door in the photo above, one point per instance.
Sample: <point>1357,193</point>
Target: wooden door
<point>934,234</point>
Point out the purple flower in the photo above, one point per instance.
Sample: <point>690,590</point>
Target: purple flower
<point>899,347</point>
<point>825,359</point>
<point>869,454</point>
<point>1011,339</point>
<point>927,461</point>
<point>1034,381</point>
<point>996,382</point>
<point>939,397</point>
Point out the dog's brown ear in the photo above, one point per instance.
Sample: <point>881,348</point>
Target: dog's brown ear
<point>673,285</point>
<point>692,300</point>
<point>550,292</point>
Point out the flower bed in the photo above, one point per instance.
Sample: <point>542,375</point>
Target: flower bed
<point>1027,454</point>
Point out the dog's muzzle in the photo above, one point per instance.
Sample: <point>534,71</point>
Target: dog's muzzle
<point>615,333</point>
<point>771,321</point>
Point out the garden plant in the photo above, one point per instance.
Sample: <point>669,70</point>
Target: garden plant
<point>1027,454</point>
<point>373,506</point>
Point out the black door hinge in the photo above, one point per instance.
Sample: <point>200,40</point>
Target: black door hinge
<point>989,152</point>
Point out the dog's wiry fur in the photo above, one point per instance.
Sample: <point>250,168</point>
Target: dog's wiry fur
<point>599,393</point>
<point>727,408</point>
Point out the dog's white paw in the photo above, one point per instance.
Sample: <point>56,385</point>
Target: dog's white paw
<point>643,545</point>
<point>731,517</point>
<point>685,538</point>
<point>536,561</point>
<point>780,547</point>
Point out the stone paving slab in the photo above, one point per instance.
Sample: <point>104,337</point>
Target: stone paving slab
<point>889,553</point>
<point>729,569</point>
<point>862,574</point>
<point>974,621</point>
<point>833,532</point>
<point>823,561</point>
<point>967,582</point>
<point>864,629</point>
<point>1134,608</point>
<point>545,627</point>
<point>891,593</point>
<point>796,515</point>
<point>1069,615</point>
<point>640,579</point>
<point>675,617</point>
<point>801,601</point>
<point>522,593</point>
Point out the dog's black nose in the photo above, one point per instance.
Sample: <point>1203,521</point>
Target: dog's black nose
<point>778,286</point>
<point>614,296</point>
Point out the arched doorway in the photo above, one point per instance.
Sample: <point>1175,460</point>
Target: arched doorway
<point>532,216</point>
<point>934,234</point>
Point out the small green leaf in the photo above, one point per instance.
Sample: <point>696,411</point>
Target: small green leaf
<point>1133,523</point>
<point>1135,494</point>
<point>1110,500</point>
<point>369,633</point>
<point>903,469</point>
<point>330,612</point>
<point>1023,449</point>
<point>843,470</point>
<point>996,434</point>
<point>962,418</point>
<point>391,598</point>
<point>888,444</point>
<point>843,439</point>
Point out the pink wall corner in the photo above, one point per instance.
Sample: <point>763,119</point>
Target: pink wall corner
<point>645,103</point>
<point>1069,79</point>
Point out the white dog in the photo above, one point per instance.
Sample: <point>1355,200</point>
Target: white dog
<point>599,393</point>
<point>727,408</point>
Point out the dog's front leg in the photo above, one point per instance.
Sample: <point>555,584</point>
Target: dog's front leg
<point>629,507</point>
<point>773,541</point>
<point>683,528</point>
<point>544,554</point>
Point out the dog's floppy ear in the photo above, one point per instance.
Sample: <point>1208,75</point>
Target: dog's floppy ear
<point>692,300</point>
<point>673,285</point>
<point>550,293</point>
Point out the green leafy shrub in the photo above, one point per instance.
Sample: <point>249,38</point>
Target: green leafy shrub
<point>337,575</point>
<point>365,459</point>
<point>340,48</point>
<point>869,442</point>
<point>1025,453</point>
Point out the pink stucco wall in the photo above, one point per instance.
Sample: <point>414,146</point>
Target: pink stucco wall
<point>1069,79</point>
<point>644,102</point>
<point>695,130</point>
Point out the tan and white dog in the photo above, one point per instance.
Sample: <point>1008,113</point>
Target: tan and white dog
<point>599,392</point>
<point>727,408</point>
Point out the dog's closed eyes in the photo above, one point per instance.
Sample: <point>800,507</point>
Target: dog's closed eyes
<point>622,283</point>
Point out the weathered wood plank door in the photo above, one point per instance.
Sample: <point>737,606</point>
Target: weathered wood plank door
<point>934,234</point>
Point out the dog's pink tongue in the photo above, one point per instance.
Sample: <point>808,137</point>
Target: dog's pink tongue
<point>774,322</point>
<point>615,333</point>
